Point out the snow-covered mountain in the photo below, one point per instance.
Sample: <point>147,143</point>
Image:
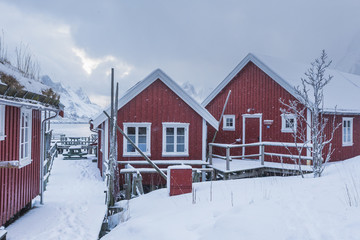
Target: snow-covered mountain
<point>78,106</point>
<point>198,95</point>
<point>350,62</point>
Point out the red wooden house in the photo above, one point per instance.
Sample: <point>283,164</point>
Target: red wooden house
<point>162,120</point>
<point>20,141</point>
<point>253,111</point>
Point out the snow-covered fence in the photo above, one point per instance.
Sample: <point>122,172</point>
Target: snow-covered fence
<point>228,157</point>
<point>48,162</point>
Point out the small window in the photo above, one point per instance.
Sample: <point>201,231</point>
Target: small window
<point>139,133</point>
<point>2,122</point>
<point>175,139</point>
<point>288,123</point>
<point>229,122</point>
<point>347,129</point>
<point>25,136</point>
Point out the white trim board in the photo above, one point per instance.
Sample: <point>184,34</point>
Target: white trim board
<point>159,74</point>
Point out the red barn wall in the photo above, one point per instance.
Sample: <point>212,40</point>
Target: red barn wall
<point>252,91</point>
<point>158,104</point>
<point>18,186</point>
<point>344,152</point>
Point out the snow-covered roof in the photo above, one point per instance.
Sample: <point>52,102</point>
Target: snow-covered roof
<point>29,84</point>
<point>343,91</point>
<point>31,95</point>
<point>159,74</point>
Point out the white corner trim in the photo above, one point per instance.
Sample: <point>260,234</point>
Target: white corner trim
<point>204,139</point>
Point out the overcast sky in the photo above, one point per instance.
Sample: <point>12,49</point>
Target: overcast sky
<point>196,41</point>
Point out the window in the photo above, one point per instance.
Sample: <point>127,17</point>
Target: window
<point>139,133</point>
<point>25,135</point>
<point>175,139</point>
<point>2,122</point>
<point>347,127</point>
<point>288,123</point>
<point>229,122</point>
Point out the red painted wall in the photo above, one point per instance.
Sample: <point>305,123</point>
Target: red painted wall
<point>158,104</point>
<point>252,91</point>
<point>18,186</point>
<point>344,152</point>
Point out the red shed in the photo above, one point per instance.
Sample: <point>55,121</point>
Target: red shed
<point>162,120</point>
<point>20,144</point>
<point>253,112</point>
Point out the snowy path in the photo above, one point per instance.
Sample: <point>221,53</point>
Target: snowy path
<point>73,205</point>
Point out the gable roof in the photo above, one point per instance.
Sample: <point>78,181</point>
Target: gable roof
<point>343,91</point>
<point>140,86</point>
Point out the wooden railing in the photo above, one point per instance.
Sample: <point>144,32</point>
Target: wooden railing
<point>228,157</point>
<point>48,163</point>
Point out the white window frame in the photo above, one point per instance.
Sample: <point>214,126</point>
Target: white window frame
<point>186,147</point>
<point>227,128</point>
<point>345,142</point>
<point>148,138</point>
<point>25,160</point>
<point>285,117</point>
<point>2,122</point>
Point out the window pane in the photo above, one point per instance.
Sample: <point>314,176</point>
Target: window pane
<point>180,131</point>
<point>229,122</point>
<point>26,149</point>
<point>130,148</point>
<point>142,147</point>
<point>131,130</point>
<point>180,139</point>
<point>180,147</point>
<point>169,139</point>
<point>169,131</point>
<point>169,148</point>
<point>132,138</point>
<point>142,130</point>
<point>22,135</point>
<point>142,139</point>
<point>27,135</point>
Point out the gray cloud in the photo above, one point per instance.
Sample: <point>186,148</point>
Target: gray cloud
<point>197,41</point>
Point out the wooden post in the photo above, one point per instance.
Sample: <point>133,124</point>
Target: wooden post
<point>227,158</point>
<point>262,149</point>
<point>210,154</point>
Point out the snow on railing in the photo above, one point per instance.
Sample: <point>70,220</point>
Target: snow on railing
<point>228,157</point>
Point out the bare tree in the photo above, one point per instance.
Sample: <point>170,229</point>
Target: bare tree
<point>26,63</point>
<point>310,97</point>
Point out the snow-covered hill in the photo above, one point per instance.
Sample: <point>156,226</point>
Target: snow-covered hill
<point>351,60</point>
<point>78,106</point>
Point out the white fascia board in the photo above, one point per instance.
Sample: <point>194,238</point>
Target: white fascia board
<point>159,74</point>
<point>250,57</point>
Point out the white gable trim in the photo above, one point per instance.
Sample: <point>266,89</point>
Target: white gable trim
<point>159,74</point>
<point>250,57</point>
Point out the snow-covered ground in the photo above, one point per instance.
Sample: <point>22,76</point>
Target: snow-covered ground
<point>258,208</point>
<point>73,207</point>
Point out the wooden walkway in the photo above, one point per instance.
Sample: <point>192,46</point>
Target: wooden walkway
<point>252,168</point>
